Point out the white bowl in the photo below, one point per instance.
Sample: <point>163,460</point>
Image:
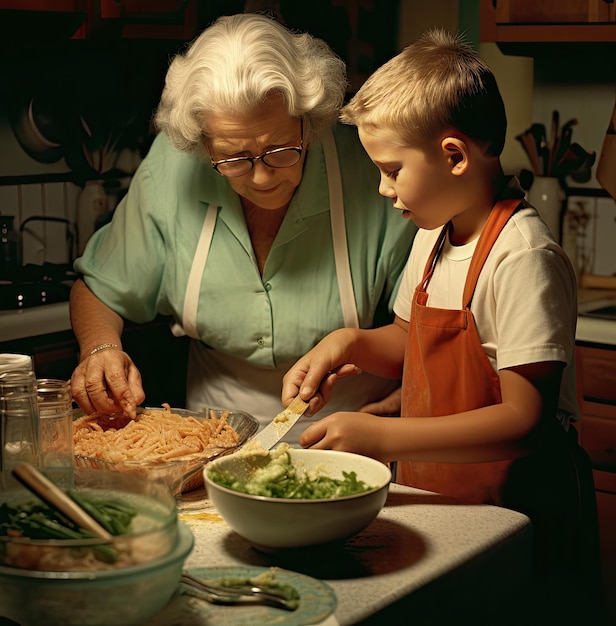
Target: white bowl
<point>292,523</point>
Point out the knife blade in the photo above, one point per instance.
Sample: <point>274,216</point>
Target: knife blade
<point>281,424</point>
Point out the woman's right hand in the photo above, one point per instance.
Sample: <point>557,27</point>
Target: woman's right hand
<point>107,382</point>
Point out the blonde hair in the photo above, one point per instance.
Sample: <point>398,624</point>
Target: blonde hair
<point>232,68</point>
<point>435,84</point>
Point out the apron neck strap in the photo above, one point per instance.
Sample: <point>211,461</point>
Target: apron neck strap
<point>499,216</point>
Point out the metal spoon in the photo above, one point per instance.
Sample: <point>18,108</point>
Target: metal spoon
<point>245,594</point>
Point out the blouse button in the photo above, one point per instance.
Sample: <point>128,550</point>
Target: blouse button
<point>261,343</point>
<point>268,287</point>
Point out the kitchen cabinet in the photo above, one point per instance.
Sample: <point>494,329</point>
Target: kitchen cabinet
<point>54,21</point>
<point>24,23</point>
<point>596,372</point>
<point>552,11</point>
<point>160,357</point>
<point>531,28</point>
<point>142,19</point>
<point>58,6</point>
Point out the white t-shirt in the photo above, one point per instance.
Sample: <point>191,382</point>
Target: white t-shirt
<point>525,302</point>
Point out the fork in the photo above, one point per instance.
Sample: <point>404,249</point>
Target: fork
<point>245,594</point>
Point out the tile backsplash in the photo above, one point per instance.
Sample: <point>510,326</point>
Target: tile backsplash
<point>75,112</point>
<point>45,240</point>
<point>42,241</point>
<point>589,233</point>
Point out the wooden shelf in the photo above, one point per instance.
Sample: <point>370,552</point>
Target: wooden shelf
<point>555,33</point>
<point>546,38</point>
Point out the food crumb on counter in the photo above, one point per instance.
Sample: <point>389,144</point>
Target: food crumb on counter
<point>202,517</point>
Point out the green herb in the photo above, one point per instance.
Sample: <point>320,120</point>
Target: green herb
<point>280,479</point>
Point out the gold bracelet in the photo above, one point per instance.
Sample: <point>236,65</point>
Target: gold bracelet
<point>104,346</point>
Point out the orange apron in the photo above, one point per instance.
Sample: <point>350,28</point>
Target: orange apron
<point>446,371</point>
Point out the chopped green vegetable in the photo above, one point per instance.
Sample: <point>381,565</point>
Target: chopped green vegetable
<point>281,479</point>
<point>114,516</point>
<point>267,581</point>
<point>36,520</point>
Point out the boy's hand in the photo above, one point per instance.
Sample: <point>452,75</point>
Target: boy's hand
<point>293,379</point>
<point>314,376</point>
<point>350,432</point>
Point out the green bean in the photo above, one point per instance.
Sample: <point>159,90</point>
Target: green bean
<point>114,517</point>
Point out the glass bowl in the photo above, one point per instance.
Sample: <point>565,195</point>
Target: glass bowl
<point>181,474</point>
<point>153,530</point>
<point>123,597</point>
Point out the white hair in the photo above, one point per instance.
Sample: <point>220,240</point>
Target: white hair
<point>232,68</point>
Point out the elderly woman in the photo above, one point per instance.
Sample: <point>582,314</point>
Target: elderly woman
<point>254,221</point>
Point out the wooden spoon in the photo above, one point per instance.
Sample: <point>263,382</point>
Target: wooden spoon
<point>51,494</point>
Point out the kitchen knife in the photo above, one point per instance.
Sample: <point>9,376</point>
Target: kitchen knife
<point>281,424</point>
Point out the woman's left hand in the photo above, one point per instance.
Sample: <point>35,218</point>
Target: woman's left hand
<point>389,406</point>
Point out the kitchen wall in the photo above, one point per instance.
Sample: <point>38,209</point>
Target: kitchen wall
<point>110,93</point>
<point>94,102</point>
<point>589,224</point>
<point>74,112</point>
<point>533,89</point>
<point>43,241</point>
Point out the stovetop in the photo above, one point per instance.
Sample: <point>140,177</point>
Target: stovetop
<point>35,285</point>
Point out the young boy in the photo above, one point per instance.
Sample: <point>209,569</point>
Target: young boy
<point>485,318</point>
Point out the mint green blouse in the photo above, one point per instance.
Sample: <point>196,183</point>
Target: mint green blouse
<point>139,263</point>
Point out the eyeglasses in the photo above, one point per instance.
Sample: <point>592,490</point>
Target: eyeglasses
<point>277,158</point>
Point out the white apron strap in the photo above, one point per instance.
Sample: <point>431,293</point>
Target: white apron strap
<point>193,286</point>
<point>341,253</point>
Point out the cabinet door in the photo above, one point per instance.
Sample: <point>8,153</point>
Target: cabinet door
<point>162,360</point>
<point>160,19</point>
<point>24,23</point>
<point>596,372</point>
<point>605,484</point>
<point>553,11</point>
<point>54,355</point>
<point>44,5</point>
<point>524,26</point>
<point>56,361</point>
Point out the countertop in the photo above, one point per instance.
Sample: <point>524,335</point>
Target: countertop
<point>424,553</point>
<point>592,330</point>
<point>33,321</point>
<point>52,318</point>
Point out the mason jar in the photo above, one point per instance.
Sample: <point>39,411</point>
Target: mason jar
<point>19,423</point>
<point>55,408</point>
